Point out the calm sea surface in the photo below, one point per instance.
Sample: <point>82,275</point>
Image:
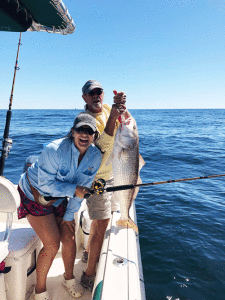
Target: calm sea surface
<point>182,225</point>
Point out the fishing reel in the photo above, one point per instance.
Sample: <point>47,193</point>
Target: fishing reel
<point>6,147</point>
<point>98,186</point>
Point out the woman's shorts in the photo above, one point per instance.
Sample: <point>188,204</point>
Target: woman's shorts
<point>101,206</point>
<point>28,206</point>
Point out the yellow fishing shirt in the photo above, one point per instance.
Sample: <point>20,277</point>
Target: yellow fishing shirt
<point>105,142</point>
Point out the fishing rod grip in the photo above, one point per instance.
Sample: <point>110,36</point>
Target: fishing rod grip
<point>86,196</point>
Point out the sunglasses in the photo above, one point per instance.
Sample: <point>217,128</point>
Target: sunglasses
<point>96,92</point>
<point>87,130</point>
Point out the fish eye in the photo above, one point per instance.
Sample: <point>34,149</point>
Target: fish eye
<point>134,127</point>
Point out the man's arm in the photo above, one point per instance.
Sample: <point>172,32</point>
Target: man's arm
<point>118,108</point>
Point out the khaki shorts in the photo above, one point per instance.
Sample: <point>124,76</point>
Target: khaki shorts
<point>101,206</point>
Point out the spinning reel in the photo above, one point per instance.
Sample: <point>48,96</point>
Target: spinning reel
<point>98,188</point>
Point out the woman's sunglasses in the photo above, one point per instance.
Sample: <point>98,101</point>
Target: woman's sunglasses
<point>87,130</point>
<point>96,92</point>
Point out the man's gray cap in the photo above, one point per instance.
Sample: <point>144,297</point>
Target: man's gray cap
<point>84,119</point>
<point>90,85</point>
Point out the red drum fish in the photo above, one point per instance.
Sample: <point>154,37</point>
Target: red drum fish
<point>126,166</point>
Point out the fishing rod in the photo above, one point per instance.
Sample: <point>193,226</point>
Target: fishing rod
<point>7,142</point>
<point>99,185</point>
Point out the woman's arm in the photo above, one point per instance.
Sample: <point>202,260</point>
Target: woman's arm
<point>48,165</point>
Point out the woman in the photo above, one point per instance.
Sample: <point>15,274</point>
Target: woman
<point>65,168</point>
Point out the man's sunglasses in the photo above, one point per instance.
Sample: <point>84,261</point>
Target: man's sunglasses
<point>96,92</point>
<point>87,130</point>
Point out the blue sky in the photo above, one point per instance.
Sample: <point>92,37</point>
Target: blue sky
<point>164,54</point>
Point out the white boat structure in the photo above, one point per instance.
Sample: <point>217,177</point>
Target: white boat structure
<point>119,271</point>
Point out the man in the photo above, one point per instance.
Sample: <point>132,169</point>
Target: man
<point>101,206</point>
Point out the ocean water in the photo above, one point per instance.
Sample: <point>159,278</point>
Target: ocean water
<point>182,225</point>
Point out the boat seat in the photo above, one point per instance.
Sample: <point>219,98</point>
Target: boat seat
<point>20,241</point>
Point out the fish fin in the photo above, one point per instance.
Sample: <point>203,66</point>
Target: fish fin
<point>136,189</point>
<point>128,223</point>
<point>141,162</point>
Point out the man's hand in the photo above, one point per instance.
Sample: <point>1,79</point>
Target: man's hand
<point>70,224</point>
<point>119,106</point>
<point>81,191</point>
<point>120,101</point>
<point>117,110</point>
<point>119,98</point>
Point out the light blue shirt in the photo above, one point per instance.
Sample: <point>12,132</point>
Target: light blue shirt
<point>56,173</point>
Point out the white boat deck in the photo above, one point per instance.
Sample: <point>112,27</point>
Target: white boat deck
<point>55,277</point>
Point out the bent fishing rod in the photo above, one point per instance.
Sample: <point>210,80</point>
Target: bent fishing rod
<point>99,185</point>
<point>7,142</point>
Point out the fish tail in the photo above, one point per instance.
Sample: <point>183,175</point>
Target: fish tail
<point>128,223</point>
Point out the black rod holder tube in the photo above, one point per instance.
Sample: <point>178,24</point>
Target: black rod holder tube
<point>5,142</point>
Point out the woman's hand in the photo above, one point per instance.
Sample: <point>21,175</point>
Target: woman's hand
<point>81,191</point>
<point>70,224</point>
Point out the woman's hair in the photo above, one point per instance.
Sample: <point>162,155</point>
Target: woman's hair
<point>97,135</point>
